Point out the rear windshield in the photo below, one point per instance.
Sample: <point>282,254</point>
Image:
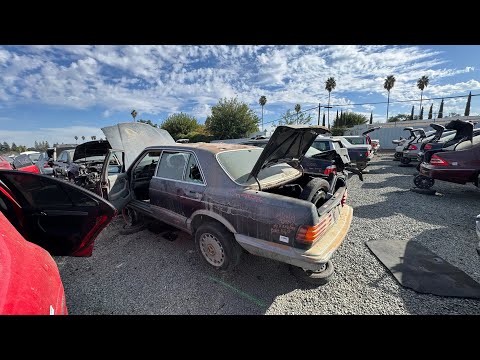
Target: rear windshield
<point>34,157</point>
<point>238,164</point>
<point>360,140</point>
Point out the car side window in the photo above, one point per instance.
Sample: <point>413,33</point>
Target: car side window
<point>172,165</point>
<point>193,173</point>
<point>321,145</point>
<point>63,156</point>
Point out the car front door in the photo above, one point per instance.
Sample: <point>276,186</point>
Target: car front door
<point>114,185</point>
<point>62,218</point>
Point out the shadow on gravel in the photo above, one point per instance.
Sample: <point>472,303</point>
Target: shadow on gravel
<point>143,273</point>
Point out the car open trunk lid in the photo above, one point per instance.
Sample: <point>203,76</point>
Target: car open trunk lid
<point>439,129</point>
<point>133,138</point>
<point>464,129</point>
<point>289,143</point>
<point>370,130</point>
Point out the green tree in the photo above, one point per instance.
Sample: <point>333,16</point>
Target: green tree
<point>430,112</point>
<point>422,83</point>
<point>179,125</point>
<point>330,84</point>
<point>388,85</point>
<point>411,115</point>
<point>6,146</point>
<point>262,101</point>
<point>93,137</point>
<point>371,118</point>
<point>440,111</point>
<point>420,117</point>
<point>231,119</point>
<point>399,117</point>
<point>351,119</point>
<point>323,122</point>
<point>149,122</point>
<point>83,138</point>
<point>289,118</point>
<point>297,109</point>
<point>14,147</point>
<point>76,138</point>
<point>467,107</point>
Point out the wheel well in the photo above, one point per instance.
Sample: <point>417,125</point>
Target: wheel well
<point>202,219</point>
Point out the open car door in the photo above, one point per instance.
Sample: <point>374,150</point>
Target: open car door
<point>61,217</point>
<point>114,183</point>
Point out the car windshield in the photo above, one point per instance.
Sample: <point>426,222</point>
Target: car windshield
<point>238,164</point>
<point>34,157</point>
<point>357,140</point>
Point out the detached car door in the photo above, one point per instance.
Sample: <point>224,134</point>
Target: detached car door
<point>62,218</point>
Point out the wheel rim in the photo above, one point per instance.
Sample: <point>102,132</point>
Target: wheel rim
<point>212,249</point>
<point>423,182</point>
<point>322,269</point>
<point>319,195</point>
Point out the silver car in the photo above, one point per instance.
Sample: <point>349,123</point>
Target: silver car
<point>42,164</point>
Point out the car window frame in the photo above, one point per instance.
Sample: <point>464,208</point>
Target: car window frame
<point>190,152</point>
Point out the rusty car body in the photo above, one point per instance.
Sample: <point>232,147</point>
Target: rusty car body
<point>235,198</point>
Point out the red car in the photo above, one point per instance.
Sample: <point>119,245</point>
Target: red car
<point>42,212</point>
<point>460,166</point>
<point>24,163</point>
<point>5,164</point>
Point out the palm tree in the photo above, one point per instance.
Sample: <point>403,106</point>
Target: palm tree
<point>76,138</point>
<point>262,101</point>
<point>388,85</point>
<point>93,137</point>
<point>134,114</point>
<point>297,109</point>
<point>83,138</point>
<point>330,84</point>
<point>422,83</point>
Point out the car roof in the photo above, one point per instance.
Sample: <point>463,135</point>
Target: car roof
<point>213,148</point>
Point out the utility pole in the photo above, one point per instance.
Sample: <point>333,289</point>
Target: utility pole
<point>318,121</point>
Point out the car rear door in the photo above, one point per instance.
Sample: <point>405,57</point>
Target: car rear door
<point>62,218</point>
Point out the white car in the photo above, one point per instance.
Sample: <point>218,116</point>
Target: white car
<point>33,155</point>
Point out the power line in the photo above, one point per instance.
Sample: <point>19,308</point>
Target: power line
<point>377,103</point>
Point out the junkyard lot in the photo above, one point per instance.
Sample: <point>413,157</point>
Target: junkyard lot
<point>143,273</point>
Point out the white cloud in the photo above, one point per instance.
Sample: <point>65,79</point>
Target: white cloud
<point>52,135</point>
<point>155,79</point>
<point>368,107</point>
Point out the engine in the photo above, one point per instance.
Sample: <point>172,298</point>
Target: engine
<point>88,176</point>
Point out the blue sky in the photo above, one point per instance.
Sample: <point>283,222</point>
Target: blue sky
<point>56,92</point>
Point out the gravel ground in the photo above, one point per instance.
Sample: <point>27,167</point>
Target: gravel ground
<point>143,273</point>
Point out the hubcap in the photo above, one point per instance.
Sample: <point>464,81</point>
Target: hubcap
<point>212,249</point>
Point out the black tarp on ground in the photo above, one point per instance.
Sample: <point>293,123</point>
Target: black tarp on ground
<point>417,268</point>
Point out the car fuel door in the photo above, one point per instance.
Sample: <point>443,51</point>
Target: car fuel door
<point>114,184</point>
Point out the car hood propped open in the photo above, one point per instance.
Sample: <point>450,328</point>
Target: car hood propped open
<point>289,143</point>
<point>464,129</point>
<point>133,138</point>
<point>91,149</point>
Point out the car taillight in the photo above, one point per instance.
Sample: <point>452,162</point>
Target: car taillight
<point>437,160</point>
<point>344,198</point>
<point>428,147</point>
<point>412,147</point>
<point>330,169</point>
<point>367,153</point>
<point>310,234</point>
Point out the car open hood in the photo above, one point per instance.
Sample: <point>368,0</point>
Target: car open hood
<point>370,130</point>
<point>289,143</point>
<point>464,129</point>
<point>91,148</point>
<point>133,138</point>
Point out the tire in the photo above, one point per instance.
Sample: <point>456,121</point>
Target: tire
<point>134,222</point>
<point>405,160</point>
<point>423,182</point>
<point>397,156</point>
<point>315,192</point>
<point>217,246</point>
<point>318,278</point>
<point>361,166</point>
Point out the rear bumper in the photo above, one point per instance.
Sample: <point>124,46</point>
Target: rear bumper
<point>413,155</point>
<point>311,259</point>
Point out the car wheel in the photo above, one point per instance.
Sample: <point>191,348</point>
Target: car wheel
<point>423,182</point>
<point>217,246</point>
<point>404,160</point>
<point>397,156</point>
<point>134,222</point>
<point>314,277</point>
<point>315,192</point>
